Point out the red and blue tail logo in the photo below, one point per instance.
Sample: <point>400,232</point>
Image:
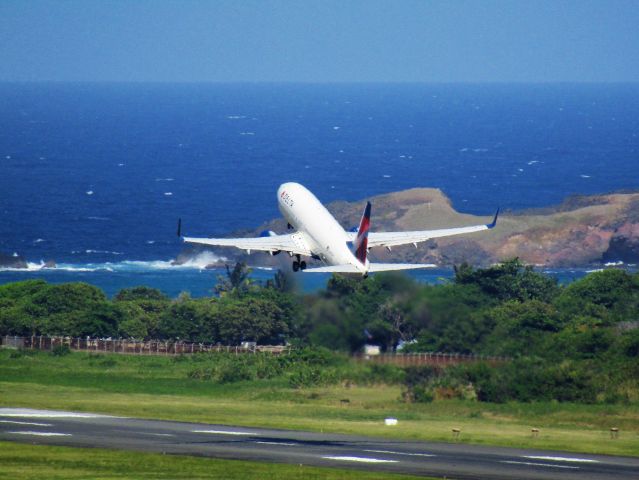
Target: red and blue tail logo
<point>361,242</point>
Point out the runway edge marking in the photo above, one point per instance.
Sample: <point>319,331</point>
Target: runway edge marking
<point>42,434</point>
<point>224,432</point>
<point>390,452</point>
<point>536,464</point>
<point>561,459</point>
<point>346,458</point>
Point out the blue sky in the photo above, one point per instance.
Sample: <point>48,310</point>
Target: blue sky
<point>320,41</point>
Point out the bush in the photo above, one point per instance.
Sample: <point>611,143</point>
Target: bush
<point>60,350</point>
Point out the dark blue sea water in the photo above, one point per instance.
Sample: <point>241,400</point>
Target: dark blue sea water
<point>95,175</point>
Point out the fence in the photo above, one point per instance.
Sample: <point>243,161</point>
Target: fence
<point>430,358</point>
<point>156,347</point>
<point>151,347</point>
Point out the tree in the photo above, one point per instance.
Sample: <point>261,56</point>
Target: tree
<point>510,280</point>
<point>251,319</point>
<point>610,296</point>
<point>236,282</point>
<point>140,293</point>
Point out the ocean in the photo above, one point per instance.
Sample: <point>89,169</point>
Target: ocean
<point>94,176</point>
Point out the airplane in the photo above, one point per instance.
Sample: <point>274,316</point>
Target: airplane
<point>319,236</point>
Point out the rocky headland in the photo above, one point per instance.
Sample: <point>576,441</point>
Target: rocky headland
<point>583,231</point>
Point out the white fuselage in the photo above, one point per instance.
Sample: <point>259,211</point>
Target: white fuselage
<point>316,226</point>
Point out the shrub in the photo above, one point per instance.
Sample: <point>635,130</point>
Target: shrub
<point>60,350</point>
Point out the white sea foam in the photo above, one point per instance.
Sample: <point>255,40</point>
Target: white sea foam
<point>100,219</point>
<point>164,179</point>
<point>198,262</point>
<point>31,267</point>
<point>168,194</point>
<point>584,176</point>
<point>39,240</point>
<point>235,117</point>
<point>89,192</point>
<point>104,251</point>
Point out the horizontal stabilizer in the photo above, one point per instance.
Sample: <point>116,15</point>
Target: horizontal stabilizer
<point>334,269</point>
<point>372,267</point>
<point>387,267</point>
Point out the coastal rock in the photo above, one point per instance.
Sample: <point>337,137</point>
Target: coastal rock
<point>12,261</point>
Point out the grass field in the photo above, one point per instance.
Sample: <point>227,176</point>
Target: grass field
<point>27,462</point>
<point>159,387</point>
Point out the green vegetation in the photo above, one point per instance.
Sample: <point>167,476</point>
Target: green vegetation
<point>29,462</point>
<point>573,369</point>
<point>578,343</point>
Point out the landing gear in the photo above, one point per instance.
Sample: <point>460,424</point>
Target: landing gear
<point>299,264</point>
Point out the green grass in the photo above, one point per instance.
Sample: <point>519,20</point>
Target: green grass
<point>25,462</point>
<point>159,387</point>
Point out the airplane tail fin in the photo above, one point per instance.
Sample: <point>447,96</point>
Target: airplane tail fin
<point>361,242</point>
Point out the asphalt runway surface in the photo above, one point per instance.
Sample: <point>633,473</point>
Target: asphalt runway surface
<point>452,460</point>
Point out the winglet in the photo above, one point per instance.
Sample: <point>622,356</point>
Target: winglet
<point>179,230</point>
<point>494,222</point>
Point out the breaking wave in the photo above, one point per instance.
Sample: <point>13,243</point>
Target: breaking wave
<point>199,262</point>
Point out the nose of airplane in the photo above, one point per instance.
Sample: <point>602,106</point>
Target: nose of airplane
<point>286,187</point>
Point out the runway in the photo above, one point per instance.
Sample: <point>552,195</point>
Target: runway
<point>453,460</point>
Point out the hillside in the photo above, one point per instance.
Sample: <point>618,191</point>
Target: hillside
<point>582,231</point>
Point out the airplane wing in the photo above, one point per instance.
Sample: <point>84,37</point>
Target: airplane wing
<point>392,239</point>
<point>293,243</point>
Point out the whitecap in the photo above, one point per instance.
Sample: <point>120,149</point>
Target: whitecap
<point>168,194</point>
<point>336,128</point>
<point>164,179</point>
<point>247,133</point>
<point>235,117</point>
<point>584,176</point>
<point>150,242</point>
<point>532,162</point>
<point>89,192</point>
<point>120,164</point>
<point>101,219</point>
<point>103,251</point>
<point>39,240</point>
<point>386,176</point>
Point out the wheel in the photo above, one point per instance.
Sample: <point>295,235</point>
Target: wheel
<point>296,266</point>
<point>302,265</point>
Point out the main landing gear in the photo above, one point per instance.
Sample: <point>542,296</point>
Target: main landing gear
<point>299,264</point>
